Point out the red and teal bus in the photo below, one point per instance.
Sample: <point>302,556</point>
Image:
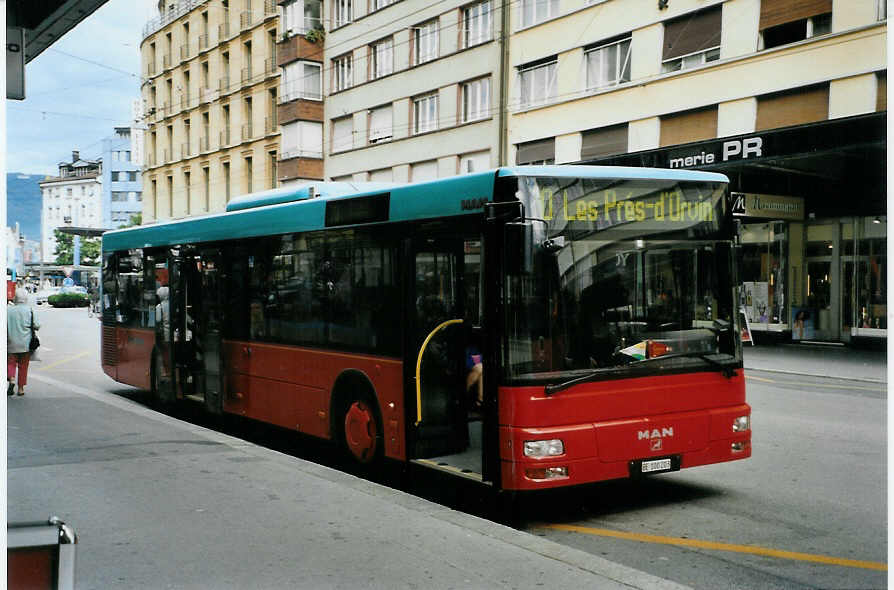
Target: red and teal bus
<point>597,305</point>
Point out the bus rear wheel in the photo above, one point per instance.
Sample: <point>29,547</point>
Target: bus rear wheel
<point>362,431</point>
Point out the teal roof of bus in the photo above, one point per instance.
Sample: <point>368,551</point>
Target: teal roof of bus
<point>287,210</point>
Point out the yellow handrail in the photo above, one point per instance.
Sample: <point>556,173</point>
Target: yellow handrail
<point>419,364</point>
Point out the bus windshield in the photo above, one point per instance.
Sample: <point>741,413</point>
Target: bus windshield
<point>626,273</point>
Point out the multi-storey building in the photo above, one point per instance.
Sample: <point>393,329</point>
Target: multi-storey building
<point>786,97</point>
<point>122,195</point>
<point>74,198</point>
<point>413,89</point>
<point>210,96</point>
<point>300,112</point>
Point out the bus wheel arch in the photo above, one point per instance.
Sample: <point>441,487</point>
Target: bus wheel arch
<point>356,419</point>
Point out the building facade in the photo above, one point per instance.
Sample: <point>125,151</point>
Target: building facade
<point>210,96</point>
<point>412,89</point>
<point>74,198</point>
<point>122,195</point>
<point>788,98</point>
<point>299,54</point>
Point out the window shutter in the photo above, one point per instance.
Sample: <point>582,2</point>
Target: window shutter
<point>608,141</point>
<point>342,134</point>
<point>380,121</point>
<point>881,94</point>
<point>689,126</point>
<point>422,171</point>
<point>536,151</point>
<point>780,12</point>
<point>692,33</point>
<point>805,105</point>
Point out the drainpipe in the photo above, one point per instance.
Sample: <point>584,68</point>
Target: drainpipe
<point>503,139</point>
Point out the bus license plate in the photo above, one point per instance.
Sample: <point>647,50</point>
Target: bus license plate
<point>656,465</point>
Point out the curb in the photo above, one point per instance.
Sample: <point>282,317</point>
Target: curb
<point>803,374</point>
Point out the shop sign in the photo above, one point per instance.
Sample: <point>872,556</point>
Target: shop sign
<point>733,149</point>
<point>767,206</point>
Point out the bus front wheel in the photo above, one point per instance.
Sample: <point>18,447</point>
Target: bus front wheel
<point>362,430</point>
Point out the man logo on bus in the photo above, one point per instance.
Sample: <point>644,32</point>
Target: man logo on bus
<point>655,433</point>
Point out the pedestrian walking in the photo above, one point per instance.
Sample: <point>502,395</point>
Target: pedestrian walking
<point>21,324</point>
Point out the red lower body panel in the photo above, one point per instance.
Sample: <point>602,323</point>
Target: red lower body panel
<point>684,417</point>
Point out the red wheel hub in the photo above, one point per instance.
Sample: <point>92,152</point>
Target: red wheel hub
<point>360,431</point>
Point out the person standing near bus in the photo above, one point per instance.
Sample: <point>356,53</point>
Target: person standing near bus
<point>20,319</point>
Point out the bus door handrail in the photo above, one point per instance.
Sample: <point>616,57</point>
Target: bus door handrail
<point>419,365</point>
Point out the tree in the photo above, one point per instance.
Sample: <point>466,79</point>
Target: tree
<point>135,219</point>
<point>90,249</point>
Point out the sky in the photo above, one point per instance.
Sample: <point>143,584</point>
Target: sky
<point>78,89</point>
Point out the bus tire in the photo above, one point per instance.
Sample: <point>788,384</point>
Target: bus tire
<point>360,427</point>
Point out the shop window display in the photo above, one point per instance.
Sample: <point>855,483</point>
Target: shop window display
<point>762,260</point>
<point>864,277</point>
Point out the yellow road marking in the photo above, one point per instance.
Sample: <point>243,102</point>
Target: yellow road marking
<point>62,362</point>
<point>753,378</point>
<point>754,550</point>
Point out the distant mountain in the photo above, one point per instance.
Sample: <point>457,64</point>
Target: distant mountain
<point>23,203</point>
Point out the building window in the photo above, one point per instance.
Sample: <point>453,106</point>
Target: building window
<point>425,113</point>
<point>342,12</point>
<point>422,171</point>
<point>539,152</point>
<point>608,64</point>
<point>380,124</point>
<point>342,134</point>
<point>476,100</point>
<point>689,126</point>
<point>132,176</point>
<point>342,72</point>
<point>425,42</point>
<point>798,30</point>
<point>302,139</point>
<point>476,24</point>
<point>114,176</point>
<point>249,172</point>
<point>881,10</point>
<point>119,196</point>
<point>603,142</point>
<point>532,12</point>
<point>691,40</point>
<point>379,4</point>
<point>795,107</point>
<point>301,16</point>
<point>381,58</point>
<point>474,162</point>
<point>537,83</point>
<point>302,79</point>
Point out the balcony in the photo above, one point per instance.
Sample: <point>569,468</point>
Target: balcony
<point>223,84</point>
<point>203,42</point>
<point>245,19</point>
<point>271,125</point>
<point>150,68</point>
<point>184,51</point>
<point>223,30</point>
<point>246,132</point>
<point>206,95</point>
<point>168,156</point>
<point>185,151</point>
<point>204,143</point>
<point>246,75</point>
<point>296,48</point>
<point>166,61</point>
<point>225,137</point>
<point>176,11</point>
<point>270,67</point>
<point>269,8</point>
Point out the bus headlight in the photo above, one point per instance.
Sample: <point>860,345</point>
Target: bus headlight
<point>544,448</point>
<point>741,424</point>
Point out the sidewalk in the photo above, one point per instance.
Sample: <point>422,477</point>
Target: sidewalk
<point>160,503</point>
<point>839,362</point>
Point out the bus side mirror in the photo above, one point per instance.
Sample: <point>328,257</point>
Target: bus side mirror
<point>519,248</point>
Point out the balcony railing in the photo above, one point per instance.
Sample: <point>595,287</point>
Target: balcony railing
<point>206,95</point>
<point>168,155</point>
<point>152,158</point>
<point>270,66</point>
<point>165,109</point>
<point>185,150</point>
<point>271,125</point>
<point>185,100</point>
<point>166,61</point>
<point>169,16</point>
<point>203,42</point>
<point>225,137</point>
<point>204,143</point>
<point>293,91</point>
<point>246,132</point>
<point>245,19</point>
<point>299,153</point>
<point>269,8</point>
<point>223,30</point>
<point>224,84</point>
<point>246,74</point>
<point>150,68</point>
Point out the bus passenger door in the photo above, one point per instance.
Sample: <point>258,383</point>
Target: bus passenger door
<point>436,311</point>
<point>210,322</point>
<point>185,308</point>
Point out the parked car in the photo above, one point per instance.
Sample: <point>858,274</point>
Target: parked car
<point>41,297</point>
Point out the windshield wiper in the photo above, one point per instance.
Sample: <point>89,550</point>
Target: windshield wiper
<point>724,367</point>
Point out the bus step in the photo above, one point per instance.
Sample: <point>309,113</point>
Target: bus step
<point>195,397</point>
